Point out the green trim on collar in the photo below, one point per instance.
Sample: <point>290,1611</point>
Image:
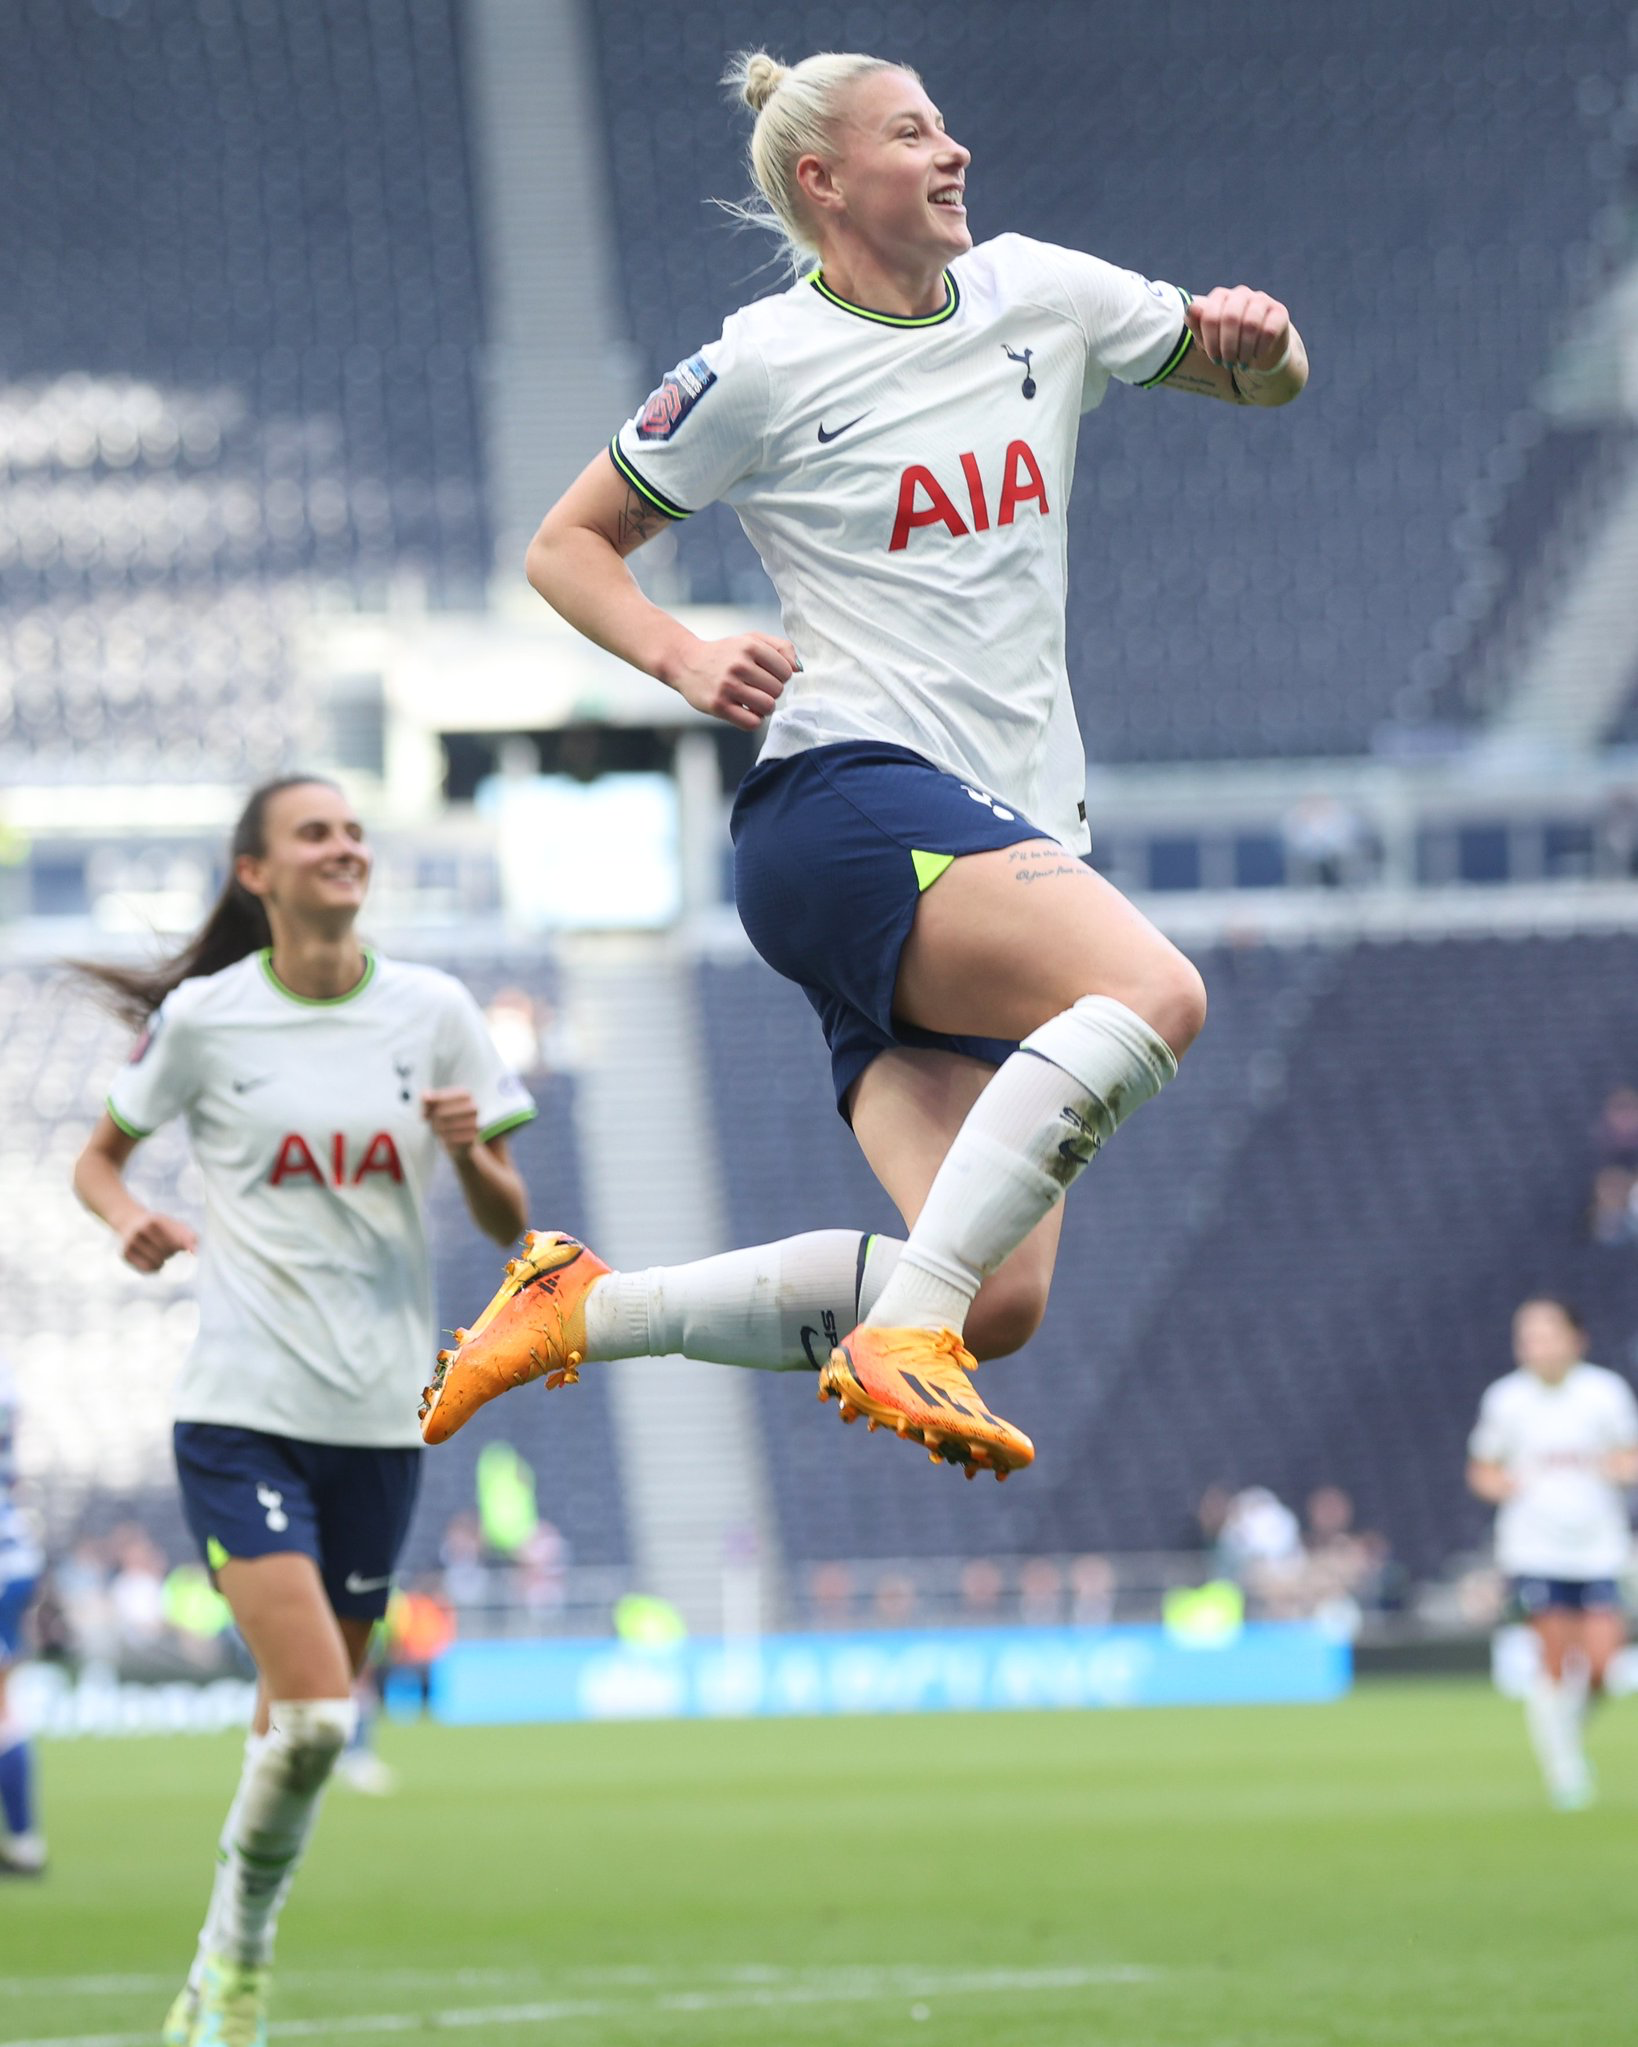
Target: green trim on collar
<point>947,311</point>
<point>318,1001</point>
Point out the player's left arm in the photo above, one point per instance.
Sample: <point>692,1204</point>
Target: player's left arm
<point>1245,349</point>
<point>1620,1465</point>
<point>492,1184</point>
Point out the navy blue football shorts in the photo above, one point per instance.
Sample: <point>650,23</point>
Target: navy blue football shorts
<point>16,1597</point>
<point>832,850</point>
<point>249,1494</point>
<point>1530,1596</point>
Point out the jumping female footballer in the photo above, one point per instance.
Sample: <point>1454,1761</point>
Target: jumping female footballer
<point>897,433</point>
<point>319,1082</point>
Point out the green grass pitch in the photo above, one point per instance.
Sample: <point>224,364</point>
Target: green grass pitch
<point>1383,1870</point>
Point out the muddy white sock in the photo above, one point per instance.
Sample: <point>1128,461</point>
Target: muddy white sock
<point>269,1823</point>
<point>778,1307</point>
<point>1026,1139</point>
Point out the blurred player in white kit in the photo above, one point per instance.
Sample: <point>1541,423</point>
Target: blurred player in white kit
<point>1555,1444</point>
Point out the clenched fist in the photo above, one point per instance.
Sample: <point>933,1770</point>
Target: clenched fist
<point>151,1240</point>
<point>1240,328</point>
<point>738,680</point>
<point>453,1114</point>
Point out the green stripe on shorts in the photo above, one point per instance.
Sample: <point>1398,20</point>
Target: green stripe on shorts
<point>929,866</point>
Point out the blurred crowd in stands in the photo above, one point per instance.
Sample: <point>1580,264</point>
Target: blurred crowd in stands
<point>1286,1567</point>
<point>1290,1567</point>
<point>1612,1200</point>
<point>117,1602</point>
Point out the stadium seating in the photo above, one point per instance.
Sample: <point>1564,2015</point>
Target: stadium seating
<point>1294,1269</point>
<point>237,356</point>
<point>1297,1268</point>
<point>1426,1163</point>
<point>1427,202</point>
<point>98,1347</point>
<point>790,1164</point>
<point>566,1438</point>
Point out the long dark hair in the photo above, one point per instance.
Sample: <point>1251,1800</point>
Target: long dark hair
<point>237,923</point>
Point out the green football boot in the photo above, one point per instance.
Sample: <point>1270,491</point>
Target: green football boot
<point>232,2005</point>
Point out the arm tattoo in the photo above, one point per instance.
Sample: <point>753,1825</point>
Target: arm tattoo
<point>639,521</point>
<point>1208,387</point>
<point>1041,863</point>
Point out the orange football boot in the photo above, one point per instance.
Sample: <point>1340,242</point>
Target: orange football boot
<point>534,1328</point>
<point>916,1381</point>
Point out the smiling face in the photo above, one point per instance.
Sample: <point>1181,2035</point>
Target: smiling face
<point>314,868</point>
<point>895,182</point>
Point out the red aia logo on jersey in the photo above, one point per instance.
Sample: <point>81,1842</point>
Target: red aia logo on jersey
<point>296,1162</point>
<point>923,500</point>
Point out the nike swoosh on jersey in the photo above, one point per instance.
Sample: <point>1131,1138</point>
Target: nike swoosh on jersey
<point>825,439</point>
<point>355,1584</point>
<point>243,1087</point>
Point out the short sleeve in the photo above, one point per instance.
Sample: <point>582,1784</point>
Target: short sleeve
<point>1134,326</point>
<point>1623,1413</point>
<point>161,1077</point>
<point>467,1059</point>
<point>700,431</point>
<point>1489,1442</point>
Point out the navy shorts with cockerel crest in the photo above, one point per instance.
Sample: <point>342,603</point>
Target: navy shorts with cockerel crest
<point>248,1493</point>
<point>832,850</point>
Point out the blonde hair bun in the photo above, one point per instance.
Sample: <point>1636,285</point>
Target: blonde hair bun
<point>797,108</point>
<point>760,77</point>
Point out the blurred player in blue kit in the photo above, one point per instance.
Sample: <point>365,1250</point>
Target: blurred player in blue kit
<point>897,433</point>
<point>22,1846</point>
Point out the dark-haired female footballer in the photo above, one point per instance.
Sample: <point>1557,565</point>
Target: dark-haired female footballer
<point>319,1083</point>
<point>897,434</point>
<point>1555,1444</point>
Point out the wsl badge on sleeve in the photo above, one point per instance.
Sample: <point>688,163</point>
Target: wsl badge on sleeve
<point>144,1044</point>
<point>680,391</point>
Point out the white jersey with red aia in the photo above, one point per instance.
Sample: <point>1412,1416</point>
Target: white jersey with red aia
<point>906,483</point>
<point>1566,1520</point>
<point>315,1284</point>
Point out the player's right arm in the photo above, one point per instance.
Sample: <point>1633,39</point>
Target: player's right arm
<point>146,1238</point>
<point>1492,1448</point>
<point>577,562</point>
<point>1491,1481</point>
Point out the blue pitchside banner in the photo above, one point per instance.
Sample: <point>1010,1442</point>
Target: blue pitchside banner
<point>933,1671</point>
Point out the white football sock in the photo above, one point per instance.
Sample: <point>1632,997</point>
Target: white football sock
<point>268,1825</point>
<point>779,1307</point>
<point>1552,1716</point>
<point>1026,1139</point>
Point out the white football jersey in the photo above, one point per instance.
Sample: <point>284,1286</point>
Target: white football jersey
<point>315,1283</point>
<point>906,483</point>
<point>1566,1520</point>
